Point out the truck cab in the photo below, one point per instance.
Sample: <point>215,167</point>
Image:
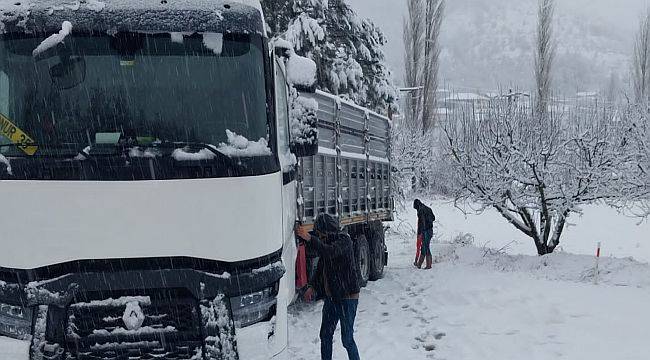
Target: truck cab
<point>138,144</point>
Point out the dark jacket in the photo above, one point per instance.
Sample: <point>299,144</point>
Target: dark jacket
<point>336,260</point>
<point>425,217</point>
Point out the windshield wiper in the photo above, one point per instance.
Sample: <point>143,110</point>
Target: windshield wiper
<point>200,146</point>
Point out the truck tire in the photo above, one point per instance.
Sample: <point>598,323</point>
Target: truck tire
<point>377,253</point>
<point>362,251</point>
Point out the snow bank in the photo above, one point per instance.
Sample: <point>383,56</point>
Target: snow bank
<point>54,40</point>
<point>621,236</point>
<point>11,349</point>
<point>5,161</point>
<point>240,146</point>
<point>558,266</point>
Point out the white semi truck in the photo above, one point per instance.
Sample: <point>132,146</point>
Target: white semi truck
<point>149,185</point>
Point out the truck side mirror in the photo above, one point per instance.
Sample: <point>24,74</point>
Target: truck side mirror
<point>301,71</point>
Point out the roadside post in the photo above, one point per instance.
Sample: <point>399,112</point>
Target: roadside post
<point>597,260</point>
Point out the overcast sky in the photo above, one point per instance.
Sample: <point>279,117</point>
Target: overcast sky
<point>605,25</point>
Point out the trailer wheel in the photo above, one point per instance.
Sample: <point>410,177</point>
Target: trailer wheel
<point>363,258</point>
<point>377,254</point>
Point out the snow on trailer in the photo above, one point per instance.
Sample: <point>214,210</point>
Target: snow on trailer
<point>350,176</point>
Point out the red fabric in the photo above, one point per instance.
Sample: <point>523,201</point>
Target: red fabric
<point>309,295</point>
<point>301,267</point>
<point>419,247</point>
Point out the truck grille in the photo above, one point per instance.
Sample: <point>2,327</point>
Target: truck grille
<point>170,329</point>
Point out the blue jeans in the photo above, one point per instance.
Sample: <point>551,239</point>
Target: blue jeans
<point>333,312</point>
<point>426,242</point>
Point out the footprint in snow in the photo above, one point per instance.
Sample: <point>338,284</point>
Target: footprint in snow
<point>429,347</point>
<point>428,339</point>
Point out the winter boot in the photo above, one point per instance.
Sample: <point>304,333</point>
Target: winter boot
<point>420,261</point>
<point>429,261</point>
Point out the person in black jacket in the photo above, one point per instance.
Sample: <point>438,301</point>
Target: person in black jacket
<point>425,229</point>
<point>337,277</point>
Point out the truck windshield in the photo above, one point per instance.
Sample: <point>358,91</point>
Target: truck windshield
<point>139,89</point>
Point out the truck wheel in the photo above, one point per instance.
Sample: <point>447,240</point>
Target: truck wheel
<point>377,255</point>
<point>363,258</point>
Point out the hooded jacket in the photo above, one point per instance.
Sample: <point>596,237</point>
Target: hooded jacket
<point>425,216</point>
<point>337,263</point>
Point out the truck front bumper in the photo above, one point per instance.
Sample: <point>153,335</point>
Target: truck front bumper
<point>178,311</point>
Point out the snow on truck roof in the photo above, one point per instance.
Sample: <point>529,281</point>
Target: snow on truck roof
<point>164,15</point>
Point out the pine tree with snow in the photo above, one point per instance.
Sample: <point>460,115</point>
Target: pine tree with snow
<point>346,48</point>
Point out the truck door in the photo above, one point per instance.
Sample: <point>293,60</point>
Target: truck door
<point>287,162</point>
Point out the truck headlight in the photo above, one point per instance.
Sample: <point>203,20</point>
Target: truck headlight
<point>15,321</point>
<point>249,309</point>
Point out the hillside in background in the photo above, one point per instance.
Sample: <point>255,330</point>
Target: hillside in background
<point>487,44</point>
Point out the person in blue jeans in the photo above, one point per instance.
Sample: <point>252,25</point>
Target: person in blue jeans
<point>337,277</point>
<point>425,229</point>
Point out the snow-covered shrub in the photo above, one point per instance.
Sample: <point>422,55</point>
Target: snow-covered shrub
<point>466,239</point>
<point>635,127</point>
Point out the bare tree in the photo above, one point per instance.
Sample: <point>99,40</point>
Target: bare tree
<point>412,152</point>
<point>544,55</point>
<point>434,12</point>
<point>414,52</point>
<point>611,90</point>
<point>641,60</point>
<point>535,174</point>
<point>422,60</point>
<point>636,132</point>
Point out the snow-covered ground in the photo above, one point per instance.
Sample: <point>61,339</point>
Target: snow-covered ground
<point>478,303</point>
<point>620,235</point>
<point>11,349</point>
